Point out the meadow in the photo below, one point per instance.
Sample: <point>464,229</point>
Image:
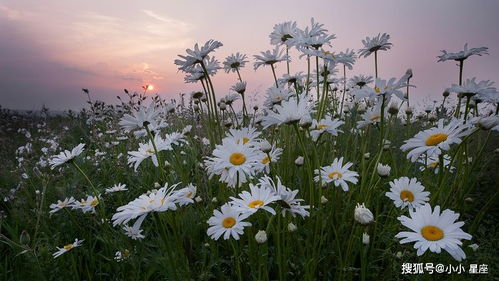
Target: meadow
<point>327,177</point>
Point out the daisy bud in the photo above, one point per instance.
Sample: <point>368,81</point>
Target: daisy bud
<point>198,199</point>
<point>324,200</point>
<point>255,108</point>
<point>265,146</point>
<point>383,170</point>
<point>292,227</point>
<point>474,247</point>
<point>197,95</point>
<point>207,245</point>
<point>204,99</point>
<point>365,238</point>
<point>367,155</point>
<point>214,200</point>
<point>167,164</point>
<point>261,236</point>
<point>393,109</point>
<point>408,73</point>
<point>488,123</point>
<point>306,122</point>
<point>409,110</point>
<point>399,255</point>
<point>468,200</point>
<point>446,93</point>
<point>362,214</point>
<point>472,104</point>
<point>299,161</point>
<point>37,192</point>
<point>228,124</point>
<point>222,106</point>
<point>432,117</point>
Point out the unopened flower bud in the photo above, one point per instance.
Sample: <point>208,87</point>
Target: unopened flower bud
<point>324,199</point>
<point>292,227</point>
<point>383,170</point>
<point>365,238</point>
<point>261,236</point>
<point>362,214</point>
<point>265,146</point>
<point>299,161</point>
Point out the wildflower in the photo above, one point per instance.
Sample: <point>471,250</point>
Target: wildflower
<point>362,214</point>
<point>287,197</point>
<point>259,197</point>
<point>325,125</point>
<point>276,96</point>
<point>432,162</point>
<point>299,161</point>
<point>360,81</point>
<point>406,192</point>
<point>462,55</point>
<point>372,116</point>
<point>197,55</point>
<point>365,238</point>
<point>378,43</point>
<point>227,222</point>
<point>66,248</point>
<point>434,230</point>
<point>86,205</point>
<point>489,123</point>
<point>233,162</point>
<point>282,32</point>
<point>185,195</point>
<point>265,146</point>
<point>270,57</point>
<point>61,205</point>
<point>474,247</point>
<point>116,188</point>
<point>135,232</point>
<point>383,170</point>
<point>261,237</point>
<point>324,200</point>
<point>337,173</point>
<point>470,88</point>
<point>234,62</point>
<point>66,156</point>
<point>432,141</point>
<point>292,227</point>
<point>247,136</point>
<point>289,112</point>
<point>140,118</point>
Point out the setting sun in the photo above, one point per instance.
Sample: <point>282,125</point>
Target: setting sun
<point>150,87</point>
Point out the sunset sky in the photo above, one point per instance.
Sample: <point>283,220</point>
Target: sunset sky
<point>50,50</point>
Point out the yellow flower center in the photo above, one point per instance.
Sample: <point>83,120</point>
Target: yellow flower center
<point>150,151</point>
<point>406,196</point>
<point>436,139</point>
<point>333,174</point>
<point>245,140</point>
<point>255,204</point>
<point>189,195</point>
<point>94,202</point>
<point>68,247</point>
<point>375,118</point>
<point>229,222</point>
<point>433,164</point>
<point>432,233</point>
<point>266,160</point>
<point>321,127</point>
<point>377,90</point>
<point>237,158</point>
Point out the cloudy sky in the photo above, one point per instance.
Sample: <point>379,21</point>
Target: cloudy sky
<point>49,52</point>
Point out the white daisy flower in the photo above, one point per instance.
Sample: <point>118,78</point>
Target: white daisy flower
<point>360,81</point>
<point>462,55</point>
<point>432,162</point>
<point>372,116</point>
<point>276,96</point>
<point>141,117</point>
<point>135,232</point>
<point>474,89</point>
<point>116,188</point>
<point>66,156</point>
<point>272,157</point>
<point>86,205</point>
<point>156,201</point>
<point>337,173</point>
<point>197,55</point>
<point>233,162</point>
<point>282,32</point>
<point>406,192</point>
<point>326,125</point>
<point>289,112</point>
<point>270,57</point>
<point>432,141</point>
<point>234,62</point>
<point>257,198</point>
<point>434,230</point>
<point>227,222</point>
<point>247,135</point>
<point>186,195</point>
<point>287,196</point>
<point>362,214</point>
<point>68,247</point>
<point>378,43</point>
<point>61,204</point>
